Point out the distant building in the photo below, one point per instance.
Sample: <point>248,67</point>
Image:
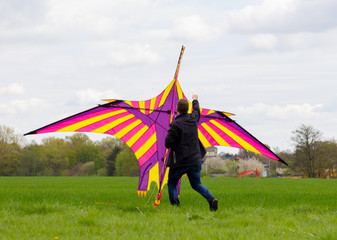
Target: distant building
<point>211,152</point>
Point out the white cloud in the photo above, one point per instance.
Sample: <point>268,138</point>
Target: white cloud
<point>133,54</point>
<point>193,28</point>
<point>294,42</point>
<point>13,89</point>
<point>269,13</point>
<point>22,106</point>
<point>264,41</point>
<point>123,55</point>
<point>284,16</point>
<point>289,111</point>
<point>83,15</point>
<point>18,13</point>
<point>89,96</point>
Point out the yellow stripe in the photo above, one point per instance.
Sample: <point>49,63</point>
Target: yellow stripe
<point>112,124</point>
<point>152,103</point>
<point>142,106</point>
<point>89,121</point>
<point>228,114</point>
<point>153,176</point>
<point>235,137</point>
<point>135,137</point>
<point>165,178</point>
<point>180,91</point>
<point>109,100</point>
<point>166,92</point>
<point>146,146</point>
<point>128,102</point>
<point>216,136</point>
<point>127,129</point>
<point>189,107</point>
<point>203,140</point>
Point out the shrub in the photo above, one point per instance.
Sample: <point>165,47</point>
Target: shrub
<point>87,169</point>
<point>250,163</point>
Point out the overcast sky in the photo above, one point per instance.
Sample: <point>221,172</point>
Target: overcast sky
<point>271,62</point>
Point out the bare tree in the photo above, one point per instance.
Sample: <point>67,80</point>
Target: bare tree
<point>307,150</point>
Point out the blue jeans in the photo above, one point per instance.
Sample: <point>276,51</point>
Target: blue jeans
<point>193,174</point>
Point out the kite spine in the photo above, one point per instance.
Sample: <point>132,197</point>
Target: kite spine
<point>157,201</point>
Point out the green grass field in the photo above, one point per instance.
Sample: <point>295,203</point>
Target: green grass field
<point>249,208</point>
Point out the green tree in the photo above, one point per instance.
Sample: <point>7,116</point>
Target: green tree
<point>328,157</point>
<point>127,164</point>
<point>30,161</point>
<point>79,139</point>
<point>53,156</point>
<point>82,150</point>
<point>77,147</point>
<point>9,151</point>
<point>106,145</point>
<point>110,147</point>
<point>111,161</point>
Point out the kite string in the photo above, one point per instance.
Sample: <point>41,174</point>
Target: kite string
<point>154,187</point>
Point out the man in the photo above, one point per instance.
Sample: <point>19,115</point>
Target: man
<point>186,152</point>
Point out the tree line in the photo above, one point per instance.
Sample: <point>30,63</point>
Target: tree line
<point>77,155</point>
<point>312,156</point>
<point>74,155</point>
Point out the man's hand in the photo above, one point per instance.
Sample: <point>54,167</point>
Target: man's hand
<point>195,96</point>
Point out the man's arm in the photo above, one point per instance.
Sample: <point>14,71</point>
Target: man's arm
<point>171,137</point>
<point>196,108</point>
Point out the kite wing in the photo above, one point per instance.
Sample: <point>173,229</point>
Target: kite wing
<point>218,129</point>
<point>142,125</point>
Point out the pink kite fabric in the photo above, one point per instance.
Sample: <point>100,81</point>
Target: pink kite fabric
<point>143,126</point>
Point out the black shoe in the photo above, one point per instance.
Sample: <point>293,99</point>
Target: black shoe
<point>213,204</point>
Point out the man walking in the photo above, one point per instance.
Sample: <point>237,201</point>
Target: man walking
<point>186,152</point>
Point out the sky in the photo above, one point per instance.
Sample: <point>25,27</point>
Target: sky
<point>273,63</point>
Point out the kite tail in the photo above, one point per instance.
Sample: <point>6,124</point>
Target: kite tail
<point>162,175</point>
<point>157,201</point>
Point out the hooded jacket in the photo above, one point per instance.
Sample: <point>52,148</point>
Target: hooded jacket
<point>183,141</point>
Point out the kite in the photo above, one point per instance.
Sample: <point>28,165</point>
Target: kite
<point>143,126</point>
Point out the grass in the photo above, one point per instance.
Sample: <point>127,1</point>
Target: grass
<point>108,208</point>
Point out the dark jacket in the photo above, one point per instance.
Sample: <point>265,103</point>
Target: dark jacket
<point>183,141</point>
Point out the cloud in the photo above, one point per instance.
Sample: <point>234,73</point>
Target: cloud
<point>23,106</point>
<point>89,96</point>
<point>275,16</point>
<point>133,54</point>
<point>123,55</point>
<point>193,28</point>
<point>264,41</point>
<point>294,42</point>
<point>13,89</point>
<point>289,111</point>
<point>21,13</point>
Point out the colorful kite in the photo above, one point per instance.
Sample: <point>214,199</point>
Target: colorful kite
<point>143,126</point>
